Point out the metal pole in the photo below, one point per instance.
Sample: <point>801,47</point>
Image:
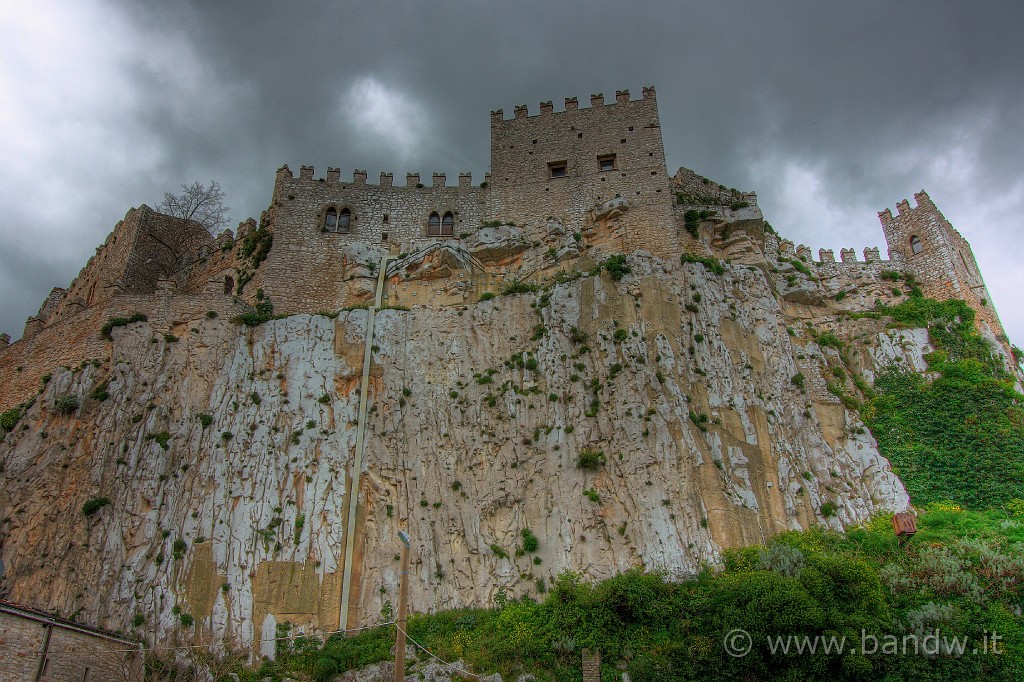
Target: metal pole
<point>403,598</point>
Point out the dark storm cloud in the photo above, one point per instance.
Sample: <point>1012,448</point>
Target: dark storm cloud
<point>831,112</point>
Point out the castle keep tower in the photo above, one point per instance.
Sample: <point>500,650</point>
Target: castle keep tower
<point>568,165</point>
<point>937,255</point>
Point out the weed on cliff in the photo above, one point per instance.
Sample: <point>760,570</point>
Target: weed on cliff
<point>113,322</point>
<point>712,264</point>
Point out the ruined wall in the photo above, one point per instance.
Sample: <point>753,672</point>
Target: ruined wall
<point>308,266</point>
<point>524,148</point>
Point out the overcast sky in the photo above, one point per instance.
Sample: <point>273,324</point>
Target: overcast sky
<point>831,112</point>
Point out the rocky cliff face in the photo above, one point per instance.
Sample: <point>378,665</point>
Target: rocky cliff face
<point>226,452</point>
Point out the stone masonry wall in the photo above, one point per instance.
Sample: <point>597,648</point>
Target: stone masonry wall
<point>307,266</point>
<point>72,655</point>
<point>75,339</point>
<point>524,148</point>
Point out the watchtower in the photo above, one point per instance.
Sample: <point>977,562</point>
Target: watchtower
<point>931,249</point>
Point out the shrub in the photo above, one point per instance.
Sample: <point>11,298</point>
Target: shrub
<point>186,619</point>
<point>499,551</point>
<point>170,338</point>
<point>9,419</point>
<point>178,548</point>
<point>517,287</point>
<point>93,505</point>
<point>324,669</point>
<point>828,509</point>
<point>113,322</point>
<point>712,264</point>
<point>592,495</point>
<point>205,419</point>
<point>591,459</point>
<point>739,204</point>
<point>161,438</point>
<point>530,542</point>
<point>798,380</point>
<point>486,296</point>
<point>99,393</point>
<point>66,404</point>
<point>616,267</point>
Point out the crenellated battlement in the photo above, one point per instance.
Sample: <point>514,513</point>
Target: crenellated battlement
<point>359,178</point>
<point>571,104</point>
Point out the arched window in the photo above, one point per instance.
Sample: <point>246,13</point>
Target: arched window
<point>448,225</point>
<point>915,244</point>
<point>338,222</point>
<point>229,284</point>
<point>434,225</point>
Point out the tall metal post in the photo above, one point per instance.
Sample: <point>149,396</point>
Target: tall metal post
<point>403,599</point>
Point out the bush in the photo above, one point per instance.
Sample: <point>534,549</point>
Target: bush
<point>120,322</point>
<point>712,264</point>
<point>9,419</point>
<point>66,404</point>
<point>93,505</point>
<point>205,420</point>
<point>517,287</point>
<point>530,542</point>
<point>324,669</point>
<point>591,459</point>
<point>828,510</point>
<point>616,267</point>
<point>99,393</point>
<point>486,296</point>
<point>739,204</point>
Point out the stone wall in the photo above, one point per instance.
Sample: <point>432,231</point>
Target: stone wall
<point>308,266</point>
<point>526,190</point>
<point>76,339</point>
<point>66,651</point>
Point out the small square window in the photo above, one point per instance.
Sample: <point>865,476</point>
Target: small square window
<point>556,169</point>
<point>606,163</point>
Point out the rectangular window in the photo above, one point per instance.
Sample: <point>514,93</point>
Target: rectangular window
<point>556,169</point>
<point>606,162</point>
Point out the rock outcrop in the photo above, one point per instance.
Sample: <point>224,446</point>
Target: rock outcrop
<point>651,421</point>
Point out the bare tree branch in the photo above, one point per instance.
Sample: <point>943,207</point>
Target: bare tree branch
<point>198,204</point>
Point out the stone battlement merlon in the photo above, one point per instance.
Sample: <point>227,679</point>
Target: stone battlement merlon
<point>521,111</point>
<point>412,180</point>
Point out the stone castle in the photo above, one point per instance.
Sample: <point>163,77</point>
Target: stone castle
<point>446,354</point>
<point>561,183</point>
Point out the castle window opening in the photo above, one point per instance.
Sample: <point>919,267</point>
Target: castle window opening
<point>387,217</point>
<point>606,162</point>
<point>229,284</point>
<point>556,169</point>
<point>915,244</point>
<point>447,225</point>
